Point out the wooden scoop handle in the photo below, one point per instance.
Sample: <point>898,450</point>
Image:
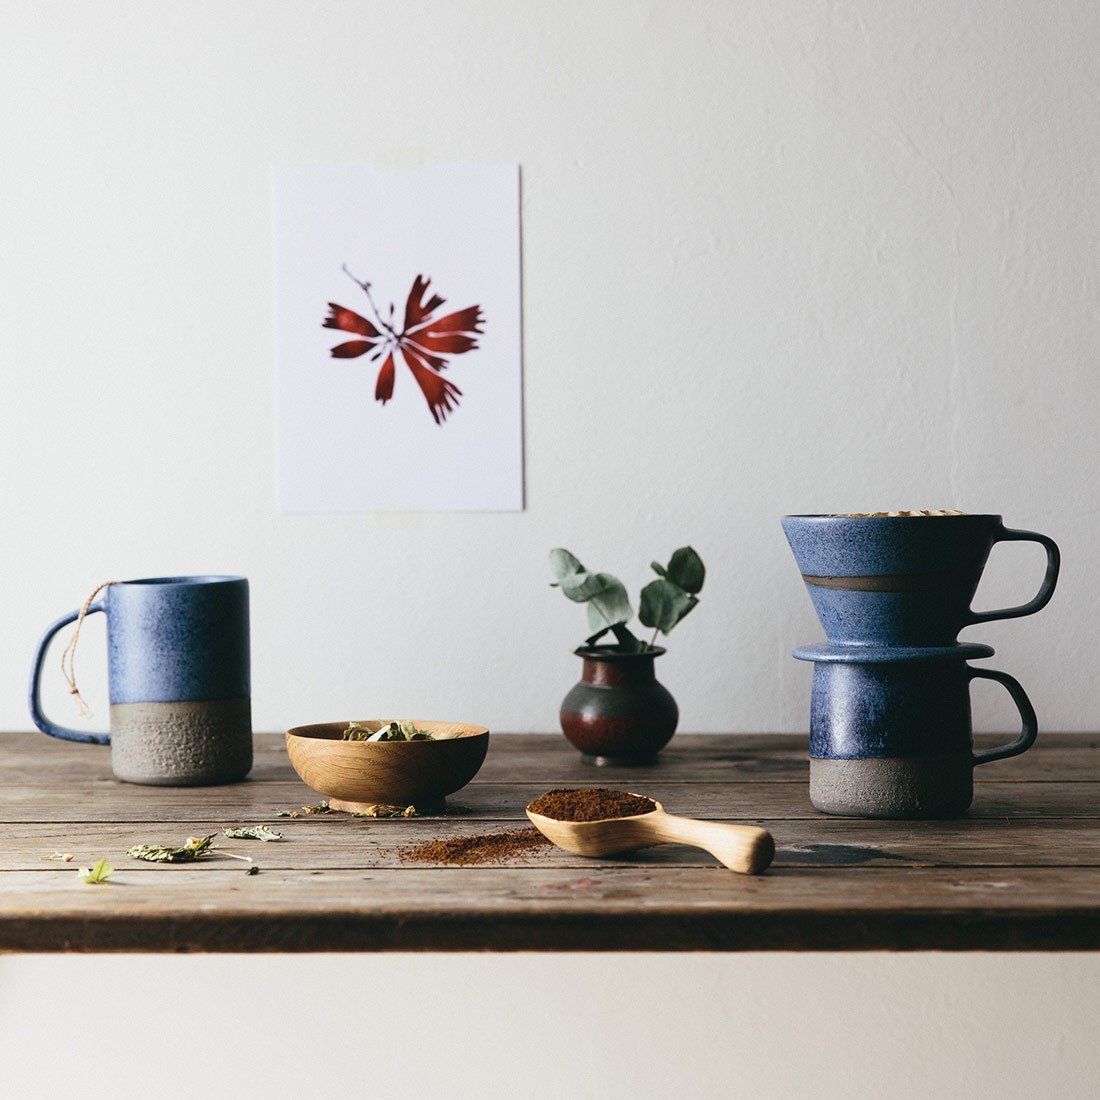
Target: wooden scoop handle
<point>745,848</point>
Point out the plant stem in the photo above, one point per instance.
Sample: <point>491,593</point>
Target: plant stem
<point>231,855</point>
<point>653,640</point>
<point>366,290</point>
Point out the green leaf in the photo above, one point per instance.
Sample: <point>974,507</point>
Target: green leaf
<point>659,569</point>
<point>253,832</point>
<point>663,604</point>
<point>580,587</point>
<point>253,870</point>
<point>686,569</point>
<point>99,872</point>
<point>608,603</point>
<point>564,564</point>
<point>588,641</point>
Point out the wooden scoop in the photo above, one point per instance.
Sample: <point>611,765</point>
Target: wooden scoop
<point>744,848</point>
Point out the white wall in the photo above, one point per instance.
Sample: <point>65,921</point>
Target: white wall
<point>777,257</point>
<point>584,1027</point>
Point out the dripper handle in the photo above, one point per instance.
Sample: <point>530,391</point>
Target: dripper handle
<point>1046,590</point>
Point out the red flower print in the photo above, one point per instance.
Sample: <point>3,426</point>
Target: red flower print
<point>422,343</point>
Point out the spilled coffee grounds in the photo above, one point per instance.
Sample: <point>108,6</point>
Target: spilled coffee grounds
<point>483,848</point>
<point>590,804</point>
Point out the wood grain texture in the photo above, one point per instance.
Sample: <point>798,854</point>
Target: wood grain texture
<point>1020,872</point>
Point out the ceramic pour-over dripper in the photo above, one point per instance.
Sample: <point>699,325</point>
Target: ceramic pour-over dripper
<point>890,732</point>
<point>903,580</point>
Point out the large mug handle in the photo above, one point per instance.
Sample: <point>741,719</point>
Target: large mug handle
<point>1046,590</point>
<point>34,694</point>
<point>1027,716</point>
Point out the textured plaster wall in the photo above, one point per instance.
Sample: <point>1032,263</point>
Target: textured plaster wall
<point>777,257</point>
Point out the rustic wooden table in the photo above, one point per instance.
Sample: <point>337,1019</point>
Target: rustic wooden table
<point>1020,872</point>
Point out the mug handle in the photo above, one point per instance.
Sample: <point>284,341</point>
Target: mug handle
<point>34,694</point>
<point>1027,716</point>
<point>1046,590</point>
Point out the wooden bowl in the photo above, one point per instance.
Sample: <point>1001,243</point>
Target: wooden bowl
<point>355,774</point>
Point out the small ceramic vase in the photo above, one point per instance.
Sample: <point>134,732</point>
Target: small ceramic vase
<point>618,712</point>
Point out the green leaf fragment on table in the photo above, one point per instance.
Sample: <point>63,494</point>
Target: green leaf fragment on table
<point>99,872</point>
<point>253,870</point>
<point>162,853</point>
<point>253,832</point>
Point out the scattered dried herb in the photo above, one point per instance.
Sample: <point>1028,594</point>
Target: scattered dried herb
<point>65,857</point>
<point>161,853</point>
<point>252,832</point>
<point>320,808</point>
<point>379,809</point>
<point>253,870</point>
<point>590,804</point>
<point>98,873</point>
<point>481,848</point>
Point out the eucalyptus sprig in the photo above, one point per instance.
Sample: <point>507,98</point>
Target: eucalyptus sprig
<point>661,605</point>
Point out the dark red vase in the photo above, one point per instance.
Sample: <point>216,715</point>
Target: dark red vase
<point>618,711</point>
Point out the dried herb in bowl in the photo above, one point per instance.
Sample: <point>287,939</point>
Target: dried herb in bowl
<point>397,730</point>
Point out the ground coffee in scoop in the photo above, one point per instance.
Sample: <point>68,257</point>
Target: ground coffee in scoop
<point>590,804</point>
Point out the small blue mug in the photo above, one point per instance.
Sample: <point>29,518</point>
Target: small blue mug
<point>178,664</point>
<point>890,729</point>
<point>904,580</point>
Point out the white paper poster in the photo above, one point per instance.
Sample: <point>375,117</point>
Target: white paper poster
<point>398,329</point>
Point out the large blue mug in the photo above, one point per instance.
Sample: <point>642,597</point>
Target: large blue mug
<point>904,580</point>
<point>178,665</point>
<point>890,729</point>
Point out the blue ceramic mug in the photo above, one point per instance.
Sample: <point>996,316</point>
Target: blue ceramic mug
<point>178,664</point>
<point>890,730</point>
<point>904,580</point>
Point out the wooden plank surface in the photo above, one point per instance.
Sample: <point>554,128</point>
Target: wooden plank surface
<point>1021,871</point>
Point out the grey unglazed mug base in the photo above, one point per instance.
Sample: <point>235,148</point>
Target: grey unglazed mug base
<point>192,743</point>
<point>893,788</point>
